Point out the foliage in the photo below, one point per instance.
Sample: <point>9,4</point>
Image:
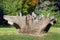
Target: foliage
<point>1,4</point>
<point>10,7</point>
<point>29,6</point>
<point>19,6</point>
<point>45,8</point>
<point>13,7</point>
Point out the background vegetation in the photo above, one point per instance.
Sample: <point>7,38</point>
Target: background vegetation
<point>15,7</point>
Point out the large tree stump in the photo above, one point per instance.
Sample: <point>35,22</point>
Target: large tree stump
<point>28,24</point>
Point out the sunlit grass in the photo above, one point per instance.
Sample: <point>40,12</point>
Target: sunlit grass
<point>53,34</point>
<point>12,34</point>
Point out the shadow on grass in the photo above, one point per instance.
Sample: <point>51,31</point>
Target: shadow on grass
<point>6,26</point>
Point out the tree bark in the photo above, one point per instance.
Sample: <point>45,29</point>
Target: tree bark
<point>30,25</point>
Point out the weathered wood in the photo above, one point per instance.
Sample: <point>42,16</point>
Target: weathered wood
<point>31,25</point>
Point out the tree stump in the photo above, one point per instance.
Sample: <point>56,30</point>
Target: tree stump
<point>27,24</point>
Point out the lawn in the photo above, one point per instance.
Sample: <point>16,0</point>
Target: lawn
<point>12,34</point>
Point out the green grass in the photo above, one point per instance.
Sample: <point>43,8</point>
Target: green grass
<point>53,34</point>
<point>12,34</point>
